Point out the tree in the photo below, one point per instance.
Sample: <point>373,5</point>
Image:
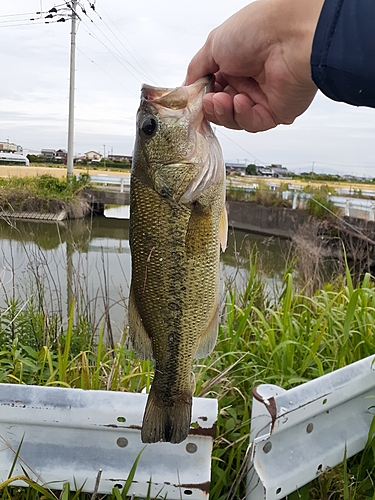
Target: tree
<point>251,169</point>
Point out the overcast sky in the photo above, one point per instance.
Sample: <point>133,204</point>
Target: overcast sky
<point>124,44</point>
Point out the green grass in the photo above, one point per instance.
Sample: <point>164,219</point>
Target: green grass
<point>45,186</point>
<point>284,340</point>
<point>42,193</point>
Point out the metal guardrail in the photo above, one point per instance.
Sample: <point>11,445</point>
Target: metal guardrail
<point>355,207</point>
<point>297,434</point>
<point>69,435</point>
<point>113,180</point>
<point>361,208</point>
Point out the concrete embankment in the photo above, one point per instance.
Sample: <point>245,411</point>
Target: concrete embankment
<point>273,221</point>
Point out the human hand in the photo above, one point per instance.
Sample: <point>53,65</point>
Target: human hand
<point>261,59</point>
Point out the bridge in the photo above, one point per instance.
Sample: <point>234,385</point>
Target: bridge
<point>108,190</point>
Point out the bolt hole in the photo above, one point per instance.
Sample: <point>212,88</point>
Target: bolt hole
<point>267,447</point>
<point>119,486</point>
<point>325,401</point>
<point>121,419</point>
<point>278,491</point>
<point>191,447</point>
<point>320,468</point>
<point>309,428</point>
<point>188,492</point>
<point>122,442</point>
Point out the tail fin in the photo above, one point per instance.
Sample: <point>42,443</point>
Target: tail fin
<point>170,423</point>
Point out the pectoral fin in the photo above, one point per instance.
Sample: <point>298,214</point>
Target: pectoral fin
<point>139,338</point>
<point>223,234</point>
<point>207,340</point>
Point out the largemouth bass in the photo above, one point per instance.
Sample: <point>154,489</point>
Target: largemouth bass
<point>177,223</point>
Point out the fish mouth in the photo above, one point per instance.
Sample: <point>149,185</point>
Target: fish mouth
<point>177,98</point>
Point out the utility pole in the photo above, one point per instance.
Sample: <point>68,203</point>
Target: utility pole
<point>104,154</point>
<point>69,164</point>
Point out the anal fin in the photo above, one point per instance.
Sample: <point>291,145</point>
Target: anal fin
<point>139,339</point>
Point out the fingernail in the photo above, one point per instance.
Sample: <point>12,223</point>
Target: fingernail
<point>219,109</point>
<point>237,107</point>
<point>208,107</point>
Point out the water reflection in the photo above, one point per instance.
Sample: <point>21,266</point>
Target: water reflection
<point>90,261</point>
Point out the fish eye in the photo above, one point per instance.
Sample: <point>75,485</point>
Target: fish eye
<point>149,126</point>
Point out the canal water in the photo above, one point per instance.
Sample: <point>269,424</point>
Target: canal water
<point>90,261</point>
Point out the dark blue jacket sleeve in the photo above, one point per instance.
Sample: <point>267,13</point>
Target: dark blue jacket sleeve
<point>343,52</point>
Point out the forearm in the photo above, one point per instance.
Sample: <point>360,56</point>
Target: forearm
<point>343,52</point>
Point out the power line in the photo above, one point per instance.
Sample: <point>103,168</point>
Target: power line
<point>241,147</point>
<point>64,12</point>
<point>33,23</point>
<point>139,56</point>
<point>115,53</point>
<point>23,14</point>
<point>116,56</point>
<point>136,59</point>
<point>104,71</point>
<point>141,70</point>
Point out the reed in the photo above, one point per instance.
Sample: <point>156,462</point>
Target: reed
<point>286,339</point>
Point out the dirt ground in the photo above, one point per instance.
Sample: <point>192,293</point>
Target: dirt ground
<point>32,171</point>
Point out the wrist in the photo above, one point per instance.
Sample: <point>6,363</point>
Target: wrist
<point>295,23</point>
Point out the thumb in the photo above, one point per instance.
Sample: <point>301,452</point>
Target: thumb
<point>201,65</point>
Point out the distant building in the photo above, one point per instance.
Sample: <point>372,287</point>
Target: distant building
<point>120,158</point>
<point>265,172</point>
<point>89,157</point>
<point>48,154</point>
<point>61,155</point>
<point>93,156</point>
<point>279,171</point>
<point>350,178</point>
<point>10,147</point>
<point>237,168</point>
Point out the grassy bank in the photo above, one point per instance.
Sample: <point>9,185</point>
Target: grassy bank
<point>42,193</point>
<point>284,340</point>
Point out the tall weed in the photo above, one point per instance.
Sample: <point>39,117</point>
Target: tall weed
<point>285,340</point>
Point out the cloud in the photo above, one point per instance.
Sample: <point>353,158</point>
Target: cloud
<point>126,44</point>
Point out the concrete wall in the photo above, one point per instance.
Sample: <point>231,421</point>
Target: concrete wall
<point>273,221</point>
<point>109,197</point>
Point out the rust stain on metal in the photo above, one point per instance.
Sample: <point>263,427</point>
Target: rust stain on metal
<point>136,427</point>
<point>271,407</point>
<point>205,487</point>
<point>269,403</point>
<point>256,395</point>
<point>119,480</point>
<point>204,431</point>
